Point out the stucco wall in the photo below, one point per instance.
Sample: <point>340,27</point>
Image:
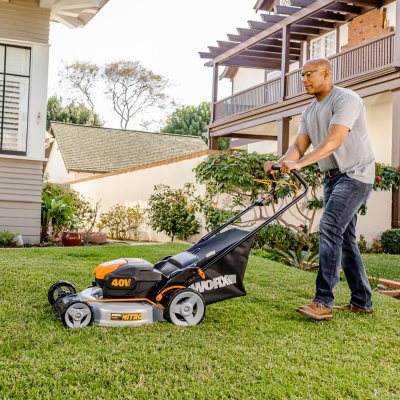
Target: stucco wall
<point>135,187</point>
<point>246,78</point>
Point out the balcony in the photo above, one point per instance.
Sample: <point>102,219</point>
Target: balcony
<point>360,63</point>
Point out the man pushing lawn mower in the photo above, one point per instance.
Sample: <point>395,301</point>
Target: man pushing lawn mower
<point>335,124</point>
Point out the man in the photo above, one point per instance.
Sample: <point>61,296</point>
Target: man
<point>335,124</point>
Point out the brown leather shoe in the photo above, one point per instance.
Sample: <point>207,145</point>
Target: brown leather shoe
<point>353,308</point>
<point>316,311</point>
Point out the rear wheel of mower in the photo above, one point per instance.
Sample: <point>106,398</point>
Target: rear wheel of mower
<point>78,314</point>
<point>60,289</point>
<point>185,307</point>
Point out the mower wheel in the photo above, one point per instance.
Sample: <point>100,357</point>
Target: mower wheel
<point>60,289</point>
<point>78,314</point>
<point>185,307</point>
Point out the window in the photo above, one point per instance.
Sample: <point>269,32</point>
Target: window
<point>324,46</point>
<point>14,96</point>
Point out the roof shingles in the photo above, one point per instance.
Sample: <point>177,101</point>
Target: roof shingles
<point>98,149</point>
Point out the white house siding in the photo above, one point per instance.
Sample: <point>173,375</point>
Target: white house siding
<point>23,23</point>
<point>20,197</point>
<point>136,187</point>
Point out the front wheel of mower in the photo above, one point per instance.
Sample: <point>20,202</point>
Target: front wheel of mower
<point>60,289</point>
<point>78,314</point>
<point>185,307</point>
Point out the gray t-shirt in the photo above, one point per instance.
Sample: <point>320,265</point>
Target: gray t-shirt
<point>343,107</point>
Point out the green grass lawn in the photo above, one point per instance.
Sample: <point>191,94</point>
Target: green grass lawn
<point>254,347</point>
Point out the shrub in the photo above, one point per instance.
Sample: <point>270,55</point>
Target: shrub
<point>58,212</point>
<point>172,211</point>
<point>6,237</point>
<point>275,235</point>
<point>86,215</point>
<point>391,241</point>
<point>362,244</point>
<point>123,222</point>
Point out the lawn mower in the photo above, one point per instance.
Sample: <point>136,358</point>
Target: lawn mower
<point>132,291</point>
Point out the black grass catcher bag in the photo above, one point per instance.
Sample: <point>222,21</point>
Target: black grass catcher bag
<point>224,279</point>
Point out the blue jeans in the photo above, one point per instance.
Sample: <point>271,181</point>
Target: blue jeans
<point>343,196</point>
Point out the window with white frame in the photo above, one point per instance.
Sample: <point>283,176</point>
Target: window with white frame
<point>323,46</point>
<point>14,96</point>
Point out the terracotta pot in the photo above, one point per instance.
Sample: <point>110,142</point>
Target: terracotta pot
<point>71,239</point>
<point>97,237</point>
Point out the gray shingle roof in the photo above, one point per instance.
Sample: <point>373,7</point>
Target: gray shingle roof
<point>97,149</point>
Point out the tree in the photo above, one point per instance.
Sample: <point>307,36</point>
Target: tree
<point>194,121</point>
<point>133,89</point>
<point>189,120</point>
<point>71,113</point>
<point>82,76</point>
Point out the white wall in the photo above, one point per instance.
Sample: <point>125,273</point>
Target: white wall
<point>135,187</point>
<point>391,13</point>
<point>55,170</point>
<point>246,78</point>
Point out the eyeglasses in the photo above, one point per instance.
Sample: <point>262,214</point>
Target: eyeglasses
<point>309,74</point>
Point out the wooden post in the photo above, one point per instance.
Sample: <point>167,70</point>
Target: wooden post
<point>285,59</point>
<point>396,59</point>
<point>283,135</point>
<point>396,156</point>
<point>212,142</point>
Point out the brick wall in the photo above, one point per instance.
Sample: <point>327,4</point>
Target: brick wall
<point>367,27</point>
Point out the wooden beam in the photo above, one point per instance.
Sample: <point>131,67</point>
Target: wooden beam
<point>258,25</point>
<point>347,8</point>
<point>285,59</point>
<point>396,156</point>
<point>325,15</point>
<point>302,13</point>
<point>251,136</point>
<point>396,58</point>
<point>214,97</point>
<point>254,53</point>
<point>239,61</point>
<point>275,18</point>
<point>262,47</point>
<point>315,23</point>
<point>283,135</point>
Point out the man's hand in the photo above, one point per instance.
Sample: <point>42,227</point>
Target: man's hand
<point>287,166</point>
<point>268,167</point>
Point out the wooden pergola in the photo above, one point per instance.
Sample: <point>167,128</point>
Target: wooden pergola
<point>276,41</point>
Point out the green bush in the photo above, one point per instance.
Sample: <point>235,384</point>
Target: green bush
<point>58,211</point>
<point>7,237</point>
<point>275,235</point>
<point>391,241</point>
<point>172,211</point>
<point>123,222</point>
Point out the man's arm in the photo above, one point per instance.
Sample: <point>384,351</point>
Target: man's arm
<point>336,135</point>
<point>293,153</point>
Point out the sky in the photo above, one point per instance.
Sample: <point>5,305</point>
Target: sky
<point>164,35</point>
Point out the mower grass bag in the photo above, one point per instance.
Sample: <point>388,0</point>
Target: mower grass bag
<point>132,291</point>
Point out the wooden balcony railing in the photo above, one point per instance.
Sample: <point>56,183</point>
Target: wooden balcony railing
<point>356,62</point>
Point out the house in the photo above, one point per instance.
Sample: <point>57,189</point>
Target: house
<point>263,62</point>
<point>24,52</point>
<point>79,151</point>
<point>119,167</point>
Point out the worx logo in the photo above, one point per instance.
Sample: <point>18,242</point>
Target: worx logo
<point>212,284</point>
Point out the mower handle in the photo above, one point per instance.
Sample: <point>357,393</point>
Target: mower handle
<point>261,202</point>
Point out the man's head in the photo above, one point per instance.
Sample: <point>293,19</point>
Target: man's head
<point>317,76</point>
